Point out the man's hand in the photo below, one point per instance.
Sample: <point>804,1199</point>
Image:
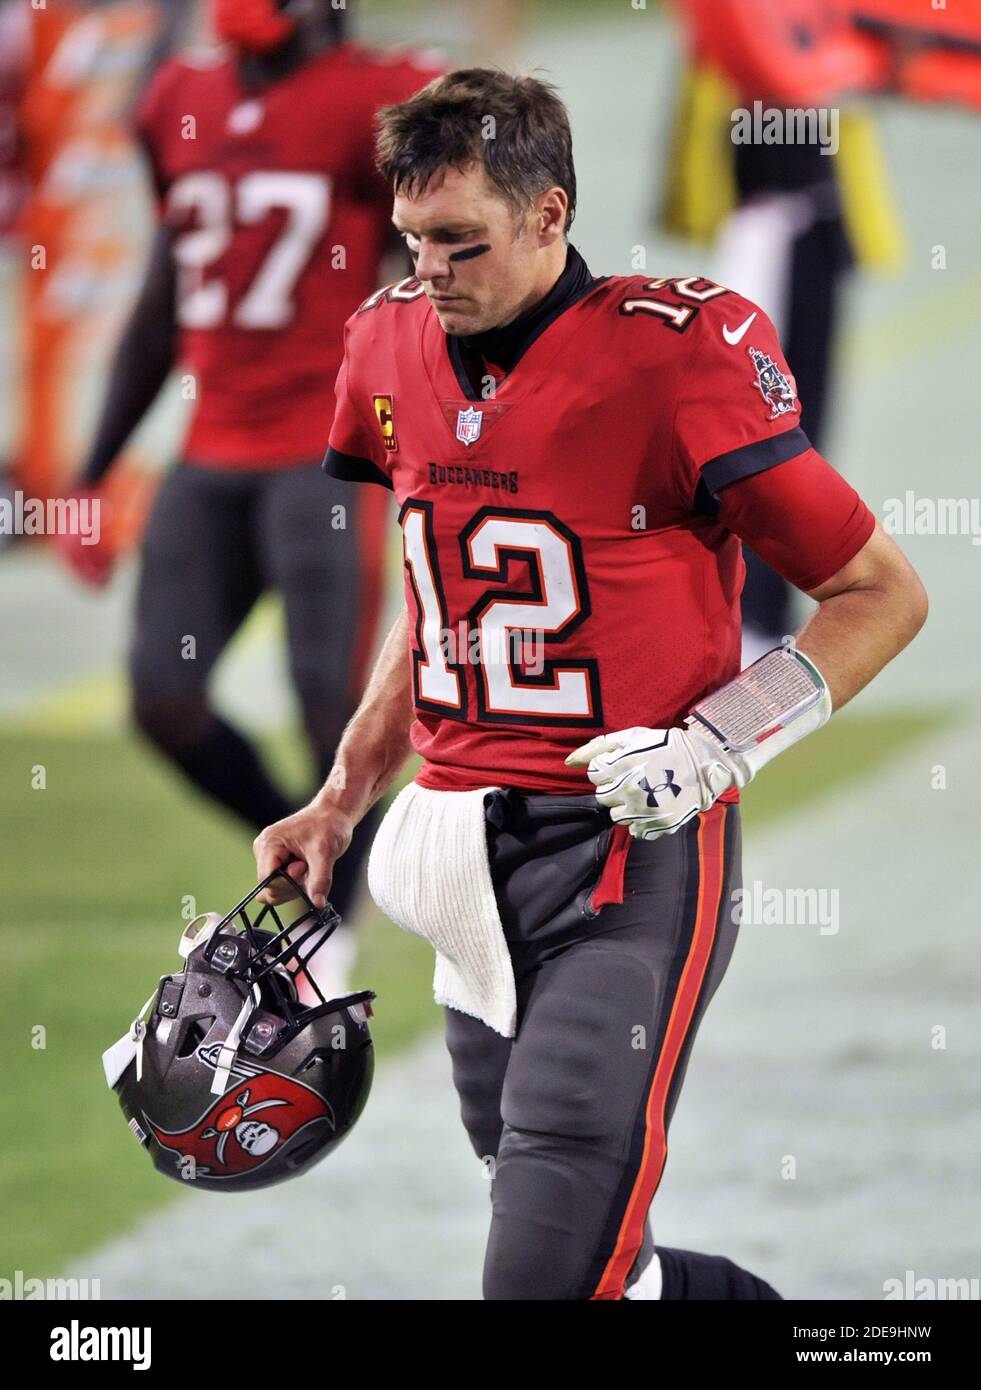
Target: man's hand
<point>92,563</point>
<point>307,844</point>
<point>655,780</point>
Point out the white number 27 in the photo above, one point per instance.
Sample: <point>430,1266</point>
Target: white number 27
<point>219,206</point>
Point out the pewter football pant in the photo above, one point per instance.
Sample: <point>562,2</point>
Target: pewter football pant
<point>573,1112</point>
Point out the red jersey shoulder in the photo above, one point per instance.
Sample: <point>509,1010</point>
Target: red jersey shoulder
<point>704,329</point>
<point>393,74</point>
<point>688,306</point>
<point>186,83</point>
<point>397,294</point>
<point>178,83</point>
<point>386,314</point>
<point>387,325</point>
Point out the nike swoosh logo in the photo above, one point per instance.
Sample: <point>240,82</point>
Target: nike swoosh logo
<point>733,335</point>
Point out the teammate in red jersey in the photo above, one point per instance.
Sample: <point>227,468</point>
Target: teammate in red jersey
<point>273,222</point>
<point>576,460</point>
<point>276,220</point>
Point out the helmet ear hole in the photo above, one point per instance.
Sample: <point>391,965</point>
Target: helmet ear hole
<point>194,1035</point>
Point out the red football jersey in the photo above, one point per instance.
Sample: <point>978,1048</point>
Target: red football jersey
<point>582,506</point>
<point>280,221</point>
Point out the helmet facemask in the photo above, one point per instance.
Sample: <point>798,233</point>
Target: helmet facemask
<point>247,1021</point>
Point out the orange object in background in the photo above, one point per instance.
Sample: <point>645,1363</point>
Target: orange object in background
<point>942,76</point>
<point>956,23</point>
<point>938,51</point>
<point>83,231</point>
<point>814,52</point>
<point>790,52</point>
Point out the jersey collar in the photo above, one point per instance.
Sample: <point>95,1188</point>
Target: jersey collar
<point>504,347</point>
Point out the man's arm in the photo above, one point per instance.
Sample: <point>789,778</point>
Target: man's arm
<point>867,613</point>
<point>142,363</point>
<point>370,755</point>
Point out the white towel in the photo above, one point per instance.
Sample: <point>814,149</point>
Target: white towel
<point>429,872</point>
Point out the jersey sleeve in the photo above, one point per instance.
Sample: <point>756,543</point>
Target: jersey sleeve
<point>803,519</point>
<point>355,451</point>
<point>737,411</point>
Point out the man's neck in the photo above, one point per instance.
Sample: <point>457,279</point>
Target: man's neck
<point>258,70</point>
<point>505,344</point>
<point>541,292</point>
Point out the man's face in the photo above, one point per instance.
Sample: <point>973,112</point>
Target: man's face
<point>480,267</point>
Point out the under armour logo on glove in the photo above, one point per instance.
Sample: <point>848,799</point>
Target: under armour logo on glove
<point>620,766</point>
<point>668,786</point>
<point>728,737</point>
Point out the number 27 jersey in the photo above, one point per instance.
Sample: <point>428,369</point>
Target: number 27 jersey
<point>278,220</point>
<point>566,569</point>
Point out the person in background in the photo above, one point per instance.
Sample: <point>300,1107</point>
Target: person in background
<point>272,226</point>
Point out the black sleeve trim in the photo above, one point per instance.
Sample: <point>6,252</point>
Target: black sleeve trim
<point>354,469</point>
<point>744,463</point>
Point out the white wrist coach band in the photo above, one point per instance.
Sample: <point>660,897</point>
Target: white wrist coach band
<point>774,703</point>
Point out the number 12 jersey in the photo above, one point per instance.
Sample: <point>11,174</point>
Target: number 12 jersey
<point>569,565</point>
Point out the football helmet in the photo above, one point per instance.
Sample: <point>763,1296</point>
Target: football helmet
<point>230,1076</point>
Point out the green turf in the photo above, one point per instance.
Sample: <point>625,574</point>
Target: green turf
<point>97,866</point>
<point>848,750</point>
<point>98,863</point>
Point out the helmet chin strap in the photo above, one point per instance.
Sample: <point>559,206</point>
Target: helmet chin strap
<point>257,26</point>
<point>117,1058</point>
<point>229,1047</point>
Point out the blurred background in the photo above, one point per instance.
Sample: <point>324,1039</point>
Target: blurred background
<point>829,1129</point>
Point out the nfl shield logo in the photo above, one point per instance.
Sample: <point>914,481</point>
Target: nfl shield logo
<point>468,424</point>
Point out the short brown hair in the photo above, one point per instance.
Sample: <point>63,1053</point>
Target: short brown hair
<point>446,125</point>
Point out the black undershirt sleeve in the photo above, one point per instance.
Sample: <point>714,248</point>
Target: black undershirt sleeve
<point>143,361</point>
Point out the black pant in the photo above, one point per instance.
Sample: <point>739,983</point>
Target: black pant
<point>818,263</point>
<point>215,541</point>
<point>572,1114</point>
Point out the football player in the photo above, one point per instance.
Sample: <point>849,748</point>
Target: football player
<point>272,225</point>
<point>575,459</point>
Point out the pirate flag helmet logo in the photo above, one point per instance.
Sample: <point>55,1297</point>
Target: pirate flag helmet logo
<point>239,1072</point>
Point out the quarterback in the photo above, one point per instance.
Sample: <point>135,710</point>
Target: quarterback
<point>576,460</point>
